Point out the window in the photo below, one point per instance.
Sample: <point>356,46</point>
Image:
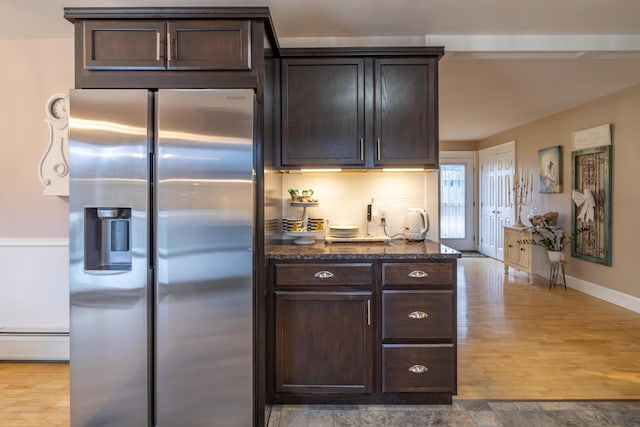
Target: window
<point>452,201</point>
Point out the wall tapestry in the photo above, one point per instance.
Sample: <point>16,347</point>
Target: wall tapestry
<point>550,170</point>
<point>591,207</point>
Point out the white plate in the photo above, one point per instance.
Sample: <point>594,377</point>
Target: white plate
<point>344,230</point>
<point>344,227</point>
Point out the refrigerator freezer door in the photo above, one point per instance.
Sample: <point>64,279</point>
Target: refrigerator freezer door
<point>109,299</point>
<point>204,235</point>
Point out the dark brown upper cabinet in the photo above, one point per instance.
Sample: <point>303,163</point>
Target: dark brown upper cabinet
<point>359,108</point>
<point>323,112</point>
<point>405,112</point>
<point>172,47</point>
<point>169,45</point>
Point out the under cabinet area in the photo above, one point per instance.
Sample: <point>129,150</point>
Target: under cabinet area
<point>362,330</point>
<point>354,109</point>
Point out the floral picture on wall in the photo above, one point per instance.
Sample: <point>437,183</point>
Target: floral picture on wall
<point>550,169</point>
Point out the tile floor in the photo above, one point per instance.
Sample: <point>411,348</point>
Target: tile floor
<point>463,413</point>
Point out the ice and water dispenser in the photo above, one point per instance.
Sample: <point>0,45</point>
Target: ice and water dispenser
<point>107,238</point>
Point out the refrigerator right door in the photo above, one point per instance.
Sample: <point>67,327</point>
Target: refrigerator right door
<point>204,236</point>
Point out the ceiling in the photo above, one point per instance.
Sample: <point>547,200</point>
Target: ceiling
<point>507,62</point>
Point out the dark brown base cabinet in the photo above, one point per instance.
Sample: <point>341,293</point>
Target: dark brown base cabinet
<point>323,342</point>
<point>381,331</point>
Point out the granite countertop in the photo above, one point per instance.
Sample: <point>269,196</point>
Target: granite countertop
<point>395,249</point>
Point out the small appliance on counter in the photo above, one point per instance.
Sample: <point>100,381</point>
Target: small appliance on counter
<point>416,224</point>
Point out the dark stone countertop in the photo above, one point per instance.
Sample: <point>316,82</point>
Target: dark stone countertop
<point>395,249</point>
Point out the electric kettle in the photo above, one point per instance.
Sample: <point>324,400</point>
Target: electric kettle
<point>416,224</point>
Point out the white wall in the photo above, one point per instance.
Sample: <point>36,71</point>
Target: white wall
<point>343,197</point>
<point>33,228</point>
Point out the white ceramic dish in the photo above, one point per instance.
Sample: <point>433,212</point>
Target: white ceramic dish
<point>344,230</point>
<point>304,237</point>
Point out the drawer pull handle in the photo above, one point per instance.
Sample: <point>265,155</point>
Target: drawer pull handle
<point>324,274</point>
<point>418,274</point>
<point>418,369</point>
<point>418,315</point>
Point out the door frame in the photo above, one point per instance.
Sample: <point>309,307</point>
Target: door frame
<point>456,157</point>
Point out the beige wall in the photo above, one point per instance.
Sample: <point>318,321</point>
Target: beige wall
<point>621,110</point>
<point>458,146</point>
<point>32,71</point>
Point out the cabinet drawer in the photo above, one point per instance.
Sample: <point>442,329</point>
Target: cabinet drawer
<point>417,314</point>
<point>417,368</point>
<point>418,274</point>
<point>324,274</point>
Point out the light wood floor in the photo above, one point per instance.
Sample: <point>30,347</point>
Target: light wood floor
<point>520,341</point>
<point>34,394</point>
<point>516,341</point>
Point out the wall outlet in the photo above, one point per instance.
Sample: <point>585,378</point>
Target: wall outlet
<point>382,216</point>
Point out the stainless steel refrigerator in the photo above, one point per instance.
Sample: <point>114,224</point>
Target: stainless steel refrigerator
<point>161,257</point>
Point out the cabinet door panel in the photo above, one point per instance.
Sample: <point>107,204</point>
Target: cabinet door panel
<point>322,112</point>
<point>208,45</point>
<point>405,116</point>
<point>323,342</point>
<point>124,45</point>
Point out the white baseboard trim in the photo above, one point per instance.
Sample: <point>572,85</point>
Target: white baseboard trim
<point>34,347</point>
<point>610,295</point>
<point>38,242</point>
<point>34,299</point>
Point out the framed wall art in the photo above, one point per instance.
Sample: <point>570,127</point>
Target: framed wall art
<point>591,204</point>
<point>550,170</point>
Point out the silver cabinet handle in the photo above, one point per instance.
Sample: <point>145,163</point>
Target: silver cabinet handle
<point>323,274</point>
<point>418,274</point>
<point>168,47</point>
<point>418,369</point>
<point>157,46</point>
<point>361,149</point>
<point>368,312</point>
<point>378,148</point>
<point>418,315</point>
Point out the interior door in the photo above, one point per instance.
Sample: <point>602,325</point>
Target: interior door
<point>457,200</point>
<point>496,204</point>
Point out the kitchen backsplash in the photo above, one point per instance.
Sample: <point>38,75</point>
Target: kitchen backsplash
<point>343,197</point>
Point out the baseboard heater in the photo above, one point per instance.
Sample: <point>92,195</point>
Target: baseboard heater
<point>34,345</point>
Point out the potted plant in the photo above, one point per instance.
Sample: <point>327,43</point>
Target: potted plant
<point>552,239</point>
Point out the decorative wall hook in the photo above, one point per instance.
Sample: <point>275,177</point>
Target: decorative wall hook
<point>54,165</point>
